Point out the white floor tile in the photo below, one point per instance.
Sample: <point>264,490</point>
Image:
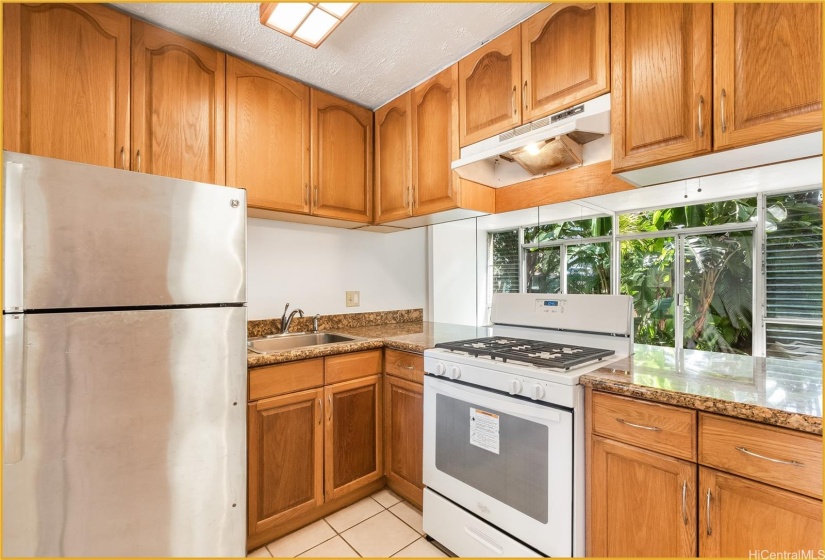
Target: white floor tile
<point>420,549</point>
<point>259,553</point>
<point>386,498</point>
<point>333,548</point>
<point>409,515</point>
<point>380,536</point>
<point>301,540</point>
<point>356,513</point>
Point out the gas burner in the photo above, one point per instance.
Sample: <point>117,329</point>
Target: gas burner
<point>532,352</point>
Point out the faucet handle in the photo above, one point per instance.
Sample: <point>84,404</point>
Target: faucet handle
<point>315,322</point>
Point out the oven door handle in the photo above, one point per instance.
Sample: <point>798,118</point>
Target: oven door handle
<point>522,409</point>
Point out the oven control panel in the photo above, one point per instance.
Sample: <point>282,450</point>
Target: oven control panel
<point>553,306</point>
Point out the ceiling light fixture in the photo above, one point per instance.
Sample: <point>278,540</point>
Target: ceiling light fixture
<point>308,22</point>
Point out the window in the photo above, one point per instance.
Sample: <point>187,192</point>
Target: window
<point>740,276</point>
<point>793,275</point>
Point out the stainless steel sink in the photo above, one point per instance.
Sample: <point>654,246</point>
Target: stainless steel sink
<point>293,341</point>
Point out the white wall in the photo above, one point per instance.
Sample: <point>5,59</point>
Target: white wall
<point>312,266</point>
<point>454,276</point>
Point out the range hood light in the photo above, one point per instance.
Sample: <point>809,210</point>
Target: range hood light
<point>549,156</point>
<point>534,149</point>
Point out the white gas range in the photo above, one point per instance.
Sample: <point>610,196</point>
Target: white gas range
<point>504,424</point>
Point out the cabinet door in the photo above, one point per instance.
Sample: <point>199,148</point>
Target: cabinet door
<point>267,137</point>
<point>393,174</point>
<point>352,444</point>
<point>177,106</point>
<point>435,143</point>
<point>768,72</point>
<point>738,516</point>
<point>404,437</point>
<point>341,158</point>
<point>286,461</point>
<point>641,503</point>
<point>661,93</point>
<point>565,53</point>
<point>489,92</point>
<point>66,82</point>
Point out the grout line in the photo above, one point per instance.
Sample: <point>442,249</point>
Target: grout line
<point>405,523</point>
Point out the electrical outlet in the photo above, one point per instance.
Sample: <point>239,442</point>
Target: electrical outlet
<point>353,299</point>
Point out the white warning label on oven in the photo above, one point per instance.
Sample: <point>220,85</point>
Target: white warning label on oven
<point>484,430</point>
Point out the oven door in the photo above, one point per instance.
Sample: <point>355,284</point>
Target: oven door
<point>506,460</point>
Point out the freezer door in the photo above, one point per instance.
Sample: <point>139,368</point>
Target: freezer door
<point>82,236</point>
<point>134,435</point>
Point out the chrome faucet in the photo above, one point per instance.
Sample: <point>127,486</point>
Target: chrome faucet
<point>286,320</point>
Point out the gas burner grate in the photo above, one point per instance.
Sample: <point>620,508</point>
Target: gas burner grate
<point>534,352</point>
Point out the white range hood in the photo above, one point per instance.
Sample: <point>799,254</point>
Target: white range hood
<point>571,138</point>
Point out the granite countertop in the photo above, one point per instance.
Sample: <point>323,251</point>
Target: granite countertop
<point>414,336</point>
<point>775,391</point>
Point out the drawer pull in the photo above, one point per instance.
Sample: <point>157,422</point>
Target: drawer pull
<point>771,459</point>
<point>632,425</point>
<point>405,366</point>
<point>707,513</point>
<point>684,502</point>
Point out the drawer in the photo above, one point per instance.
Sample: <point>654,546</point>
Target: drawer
<point>285,378</point>
<point>783,458</point>
<point>405,365</point>
<point>345,367</point>
<point>658,427</point>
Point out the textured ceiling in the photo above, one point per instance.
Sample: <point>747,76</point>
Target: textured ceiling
<point>377,53</point>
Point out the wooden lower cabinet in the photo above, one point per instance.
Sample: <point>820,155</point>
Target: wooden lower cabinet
<point>286,458</point>
<point>738,516</point>
<point>404,438</point>
<point>641,503</point>
<point>353,445</point>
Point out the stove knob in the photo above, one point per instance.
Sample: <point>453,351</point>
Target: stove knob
<point>455,373</point>
<point>536,392</point>
<point>440,369</point>
<point>515,387</point>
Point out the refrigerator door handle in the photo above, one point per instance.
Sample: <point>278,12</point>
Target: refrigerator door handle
<point>13,237</point>
<point>14,404</point>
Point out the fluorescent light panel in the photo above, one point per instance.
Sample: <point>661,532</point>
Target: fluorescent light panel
<point>308,22</point>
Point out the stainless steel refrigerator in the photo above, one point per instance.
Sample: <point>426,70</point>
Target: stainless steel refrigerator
<point>124,363</point>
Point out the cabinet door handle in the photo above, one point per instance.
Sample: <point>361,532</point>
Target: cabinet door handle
<point>138,161</point>
<point>122,157</point>
<point>684,502</point>
<point>513,101</point>
<point>319,412</point>
<point>707,513</point>
<point>524,94</point>
<point>306,194</point>
<point>315,192</point>
<point>329,412</point>
<point>701,120</point>
<point>724,120</point>
<point>415,196</point>
<point>771,459</point>
<point>407,197</point>
<point>632,425</point>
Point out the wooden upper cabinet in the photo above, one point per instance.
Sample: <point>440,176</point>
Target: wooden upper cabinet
<point>66,82</point>
<point>286,458</point>
<point>393,161</point>
<point>661,92</point>
<point>178,91</point>
<point>353,444</point>
<point>490,89</point>
<point>738,516</point>
<point>641,503</point>
<point>565,56</point>
<point>341,158</point>
<point>435,142</point>
<point>768,72</point>
<point>267,137</point>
